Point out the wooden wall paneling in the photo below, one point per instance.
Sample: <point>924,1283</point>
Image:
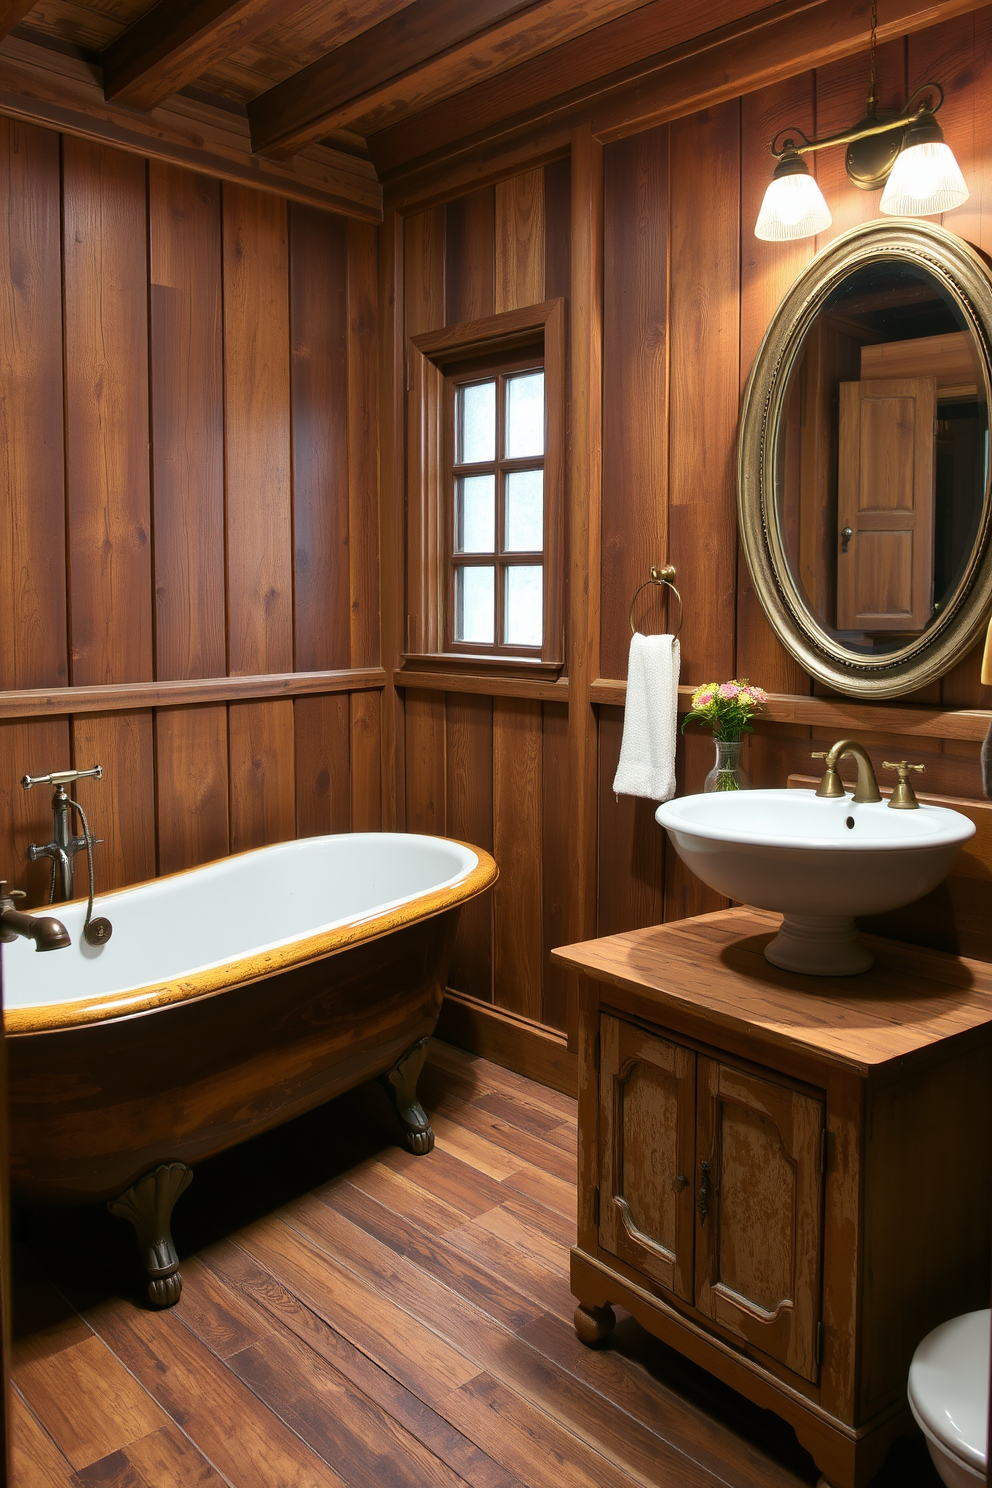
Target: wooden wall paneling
<point>33,746</point>
<point>392,507</point>
<point>120,808</point>
<point>363,467</point>
<point>322,739</point>
<point>767,271</point>
<point>318,314</point>
<point>520,241</point>
<point>517,844</point>
<point>470,256</point>
<point>106,413</point>
<point>631,845</point>
<point>366,762</point>
<point>469,748</point>
<point>558,1008</point>
<point>558,229</point>
<point>187,422</point>
<point>426,793</point>
<point>704,392</point>
<point>262,769</point>
<point>424,250</point>
<point>585,484</point>
<point>191,794</point>
<point>32,550</point>
<point>257,433</point>
<point>959,54</point>
<point>635,390</point>
<point>704,387</point>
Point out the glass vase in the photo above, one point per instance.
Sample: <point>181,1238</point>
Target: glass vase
<point>727,773</point>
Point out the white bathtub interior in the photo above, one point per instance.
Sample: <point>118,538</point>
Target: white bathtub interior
<point>236,907</point>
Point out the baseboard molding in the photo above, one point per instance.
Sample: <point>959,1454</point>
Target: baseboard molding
<point>531,1049</point>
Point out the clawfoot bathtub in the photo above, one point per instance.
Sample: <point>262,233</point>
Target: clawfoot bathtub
<point>229,999</point>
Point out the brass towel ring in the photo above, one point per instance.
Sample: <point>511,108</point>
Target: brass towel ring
<point>664,578</point>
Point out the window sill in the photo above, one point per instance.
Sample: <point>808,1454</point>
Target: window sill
<point>502,676</point>
<point>497,666</point>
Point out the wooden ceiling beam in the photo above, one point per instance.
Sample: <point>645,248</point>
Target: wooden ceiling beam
<point>12,12</point>
<point>440,153</point>
<point>424,52</point>
<point>177,41</point>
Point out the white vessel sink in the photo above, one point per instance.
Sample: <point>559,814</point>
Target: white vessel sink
<point>818,861</point>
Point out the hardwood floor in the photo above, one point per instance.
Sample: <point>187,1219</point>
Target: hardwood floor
<point>355,1315</point>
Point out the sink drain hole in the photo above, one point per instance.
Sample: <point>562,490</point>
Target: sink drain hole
<point>849,822</point>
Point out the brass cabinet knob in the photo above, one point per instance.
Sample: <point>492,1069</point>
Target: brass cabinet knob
<point>680,1184</point>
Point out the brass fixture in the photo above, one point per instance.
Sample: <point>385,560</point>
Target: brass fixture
<point>64,845</point>
<point>664,578</point>
<point>831,785</point>
<point>903,796</point>
<point>903,150</point>
<point>48,933</point>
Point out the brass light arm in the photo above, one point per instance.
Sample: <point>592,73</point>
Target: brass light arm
<point>911,110</point>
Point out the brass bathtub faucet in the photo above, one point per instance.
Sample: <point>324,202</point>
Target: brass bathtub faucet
<point>48,933</point>
<point>832,786</point>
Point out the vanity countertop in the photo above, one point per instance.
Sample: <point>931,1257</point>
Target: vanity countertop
<point>712,966</point>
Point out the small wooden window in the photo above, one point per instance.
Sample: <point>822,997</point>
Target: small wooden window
<point>496,519</point>
<point>485,431</point>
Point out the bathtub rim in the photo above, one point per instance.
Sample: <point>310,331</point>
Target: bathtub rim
<point>53,1016</point>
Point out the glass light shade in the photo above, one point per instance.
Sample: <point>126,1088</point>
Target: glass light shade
<point>793,207</point>
<point>924,180</point>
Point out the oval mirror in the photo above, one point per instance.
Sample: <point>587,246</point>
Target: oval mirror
<point>863,466</point>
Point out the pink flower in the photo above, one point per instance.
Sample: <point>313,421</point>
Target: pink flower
<point>729,689</point>
<point>702,698</point>
<point>757,694</point>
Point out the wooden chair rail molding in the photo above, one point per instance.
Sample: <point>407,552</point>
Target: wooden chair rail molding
<point>841,713</point>
<point>48,701</point>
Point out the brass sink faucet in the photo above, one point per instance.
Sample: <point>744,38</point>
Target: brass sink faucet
<point>832,785</point>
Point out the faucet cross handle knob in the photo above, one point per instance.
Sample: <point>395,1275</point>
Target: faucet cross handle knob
<point>6,893</point>
<point>903,797</point>
<point>62,777</point>
<point>819,754</point>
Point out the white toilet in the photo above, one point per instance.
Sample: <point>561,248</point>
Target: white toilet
<point>949,1396</point>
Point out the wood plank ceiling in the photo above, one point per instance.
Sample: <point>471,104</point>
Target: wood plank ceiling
<point>344,72</point>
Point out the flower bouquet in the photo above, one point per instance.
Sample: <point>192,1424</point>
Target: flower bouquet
<point>727,708</point>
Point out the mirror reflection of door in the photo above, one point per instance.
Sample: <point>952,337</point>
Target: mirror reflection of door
<point>881,456</point>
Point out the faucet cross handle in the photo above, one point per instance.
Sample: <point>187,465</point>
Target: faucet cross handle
<point>903,796</point>
<point>62,777</point>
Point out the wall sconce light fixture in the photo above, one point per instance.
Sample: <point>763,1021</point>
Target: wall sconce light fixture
<point>905,152</point>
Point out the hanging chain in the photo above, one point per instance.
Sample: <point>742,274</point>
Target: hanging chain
<point>871,46</point>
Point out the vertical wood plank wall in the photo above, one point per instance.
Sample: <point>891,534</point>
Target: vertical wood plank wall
<point>687,294</point>
<point>189,392</point>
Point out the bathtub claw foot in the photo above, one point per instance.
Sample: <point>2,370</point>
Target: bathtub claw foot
<point>401,1086</point>
<point>148,1205</point>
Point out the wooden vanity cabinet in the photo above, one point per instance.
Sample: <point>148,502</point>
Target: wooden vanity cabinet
<point>786,1178</point>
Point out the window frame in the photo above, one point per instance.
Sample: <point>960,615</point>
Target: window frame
<point>463,375</point>
<point>529,336</point>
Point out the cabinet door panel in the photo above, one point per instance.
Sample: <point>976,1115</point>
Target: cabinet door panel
<point>759,1212</point>
<point>647,1094</point>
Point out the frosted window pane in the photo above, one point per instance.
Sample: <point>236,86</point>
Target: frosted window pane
<point>524,616</point>
<point>525,511</point>
<point>475,605</point>
<point>476,423</point>
<point>475,514</point>
<point>525,415</point>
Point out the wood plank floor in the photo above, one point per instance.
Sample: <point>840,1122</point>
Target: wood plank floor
<point>355,1315</point>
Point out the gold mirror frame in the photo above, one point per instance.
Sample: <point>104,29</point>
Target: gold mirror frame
<point>966,279</point>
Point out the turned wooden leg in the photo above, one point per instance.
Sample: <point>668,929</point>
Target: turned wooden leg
<point>401,1085</point>
<point>594,1324</point>
<point>148,1206</point>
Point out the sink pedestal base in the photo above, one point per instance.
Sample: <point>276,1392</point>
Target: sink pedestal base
<point>819,945</point>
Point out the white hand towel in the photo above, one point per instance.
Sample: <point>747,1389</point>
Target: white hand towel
<point>650,719</point>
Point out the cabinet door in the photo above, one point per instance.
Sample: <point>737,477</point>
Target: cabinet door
<point>759,1198</point>
<point>647,1120</point>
